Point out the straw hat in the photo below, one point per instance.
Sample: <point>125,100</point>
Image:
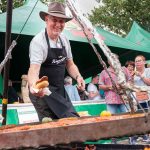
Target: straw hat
<point>55,9</point>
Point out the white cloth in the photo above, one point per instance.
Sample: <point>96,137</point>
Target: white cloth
<point>39,49</point>
<point>139,81</point>
<point>92,88</point>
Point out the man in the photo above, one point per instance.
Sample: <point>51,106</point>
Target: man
<point>113,100</point>
<point>13,97</point>
<point>71,90</point>
<point>92,89</point>
<point>50,54</point>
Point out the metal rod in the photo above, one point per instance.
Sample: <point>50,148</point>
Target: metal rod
<point>7,65</point>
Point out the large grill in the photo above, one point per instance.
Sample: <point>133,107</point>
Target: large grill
<point>73,130</point>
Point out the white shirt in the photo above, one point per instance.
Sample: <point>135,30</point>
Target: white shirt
<point>39,49</point>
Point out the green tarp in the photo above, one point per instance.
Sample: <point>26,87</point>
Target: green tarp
<point>12,116</point>
<point>139,36</point>
<point>72,29</point>
<point>116,41</point>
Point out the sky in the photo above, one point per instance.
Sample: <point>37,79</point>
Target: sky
<point>87,5</point>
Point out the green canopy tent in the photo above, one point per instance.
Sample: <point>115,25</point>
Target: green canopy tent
<point>83,54</point>
<point>139,36</point>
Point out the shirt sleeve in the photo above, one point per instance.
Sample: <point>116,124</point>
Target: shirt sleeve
<point>147,73</point>
<point>36,52</point>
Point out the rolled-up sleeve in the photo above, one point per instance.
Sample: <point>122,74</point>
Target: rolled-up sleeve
<point>36,53</point>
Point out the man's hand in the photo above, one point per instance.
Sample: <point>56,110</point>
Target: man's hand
<point>40,87</point>
<point>41,92</point>
<point>80,82</point>
<point>138,73</point>
<point>36,92</point>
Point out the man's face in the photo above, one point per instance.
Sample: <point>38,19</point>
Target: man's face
<point>139,62</point>
<point>55,25</point>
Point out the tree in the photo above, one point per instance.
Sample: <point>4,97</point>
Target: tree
<point>16,3</point>
<point>118,15</point>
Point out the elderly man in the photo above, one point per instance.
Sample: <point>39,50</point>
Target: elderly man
<point>50,54</point>
<point>71,90</point>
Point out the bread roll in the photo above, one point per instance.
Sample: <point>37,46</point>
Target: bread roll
<point>42,83</point>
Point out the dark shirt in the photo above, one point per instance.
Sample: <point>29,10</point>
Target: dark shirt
<point>12,95</point>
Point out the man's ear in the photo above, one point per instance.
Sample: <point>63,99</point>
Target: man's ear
<point>46,18</point>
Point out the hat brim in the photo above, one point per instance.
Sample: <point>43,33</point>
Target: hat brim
<point>43,14</point>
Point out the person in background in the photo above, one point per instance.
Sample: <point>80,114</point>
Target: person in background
<point>83,93</point>
<point>13,97</point>
<point>71,90</point>
<point>148,65</point>
<point>24,89</point>
<point>50,54</point>
<point>142,74</point>
<point>93,90</point>
<point>141,78</point>
<point>113,100</point>
<point>130,65</point>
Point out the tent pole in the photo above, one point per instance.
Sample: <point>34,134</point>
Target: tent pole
<point>7,65</point>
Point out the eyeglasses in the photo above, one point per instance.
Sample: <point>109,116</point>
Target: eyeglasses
<point>57,20</point>
<point>138,61</point>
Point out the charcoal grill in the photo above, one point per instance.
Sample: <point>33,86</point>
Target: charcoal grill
<point>68,133</point>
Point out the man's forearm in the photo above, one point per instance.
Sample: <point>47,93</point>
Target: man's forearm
<point>146,80</point>
<point>33,75</point>
<point>105,87</point>
<point>73,70</point>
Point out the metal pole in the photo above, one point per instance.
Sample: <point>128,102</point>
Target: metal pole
<point>7,65</point>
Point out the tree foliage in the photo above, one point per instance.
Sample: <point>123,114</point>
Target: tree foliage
<point>18,3</point>
<point>118,15</point>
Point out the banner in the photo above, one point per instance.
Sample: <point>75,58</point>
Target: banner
<point>27,115</point>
